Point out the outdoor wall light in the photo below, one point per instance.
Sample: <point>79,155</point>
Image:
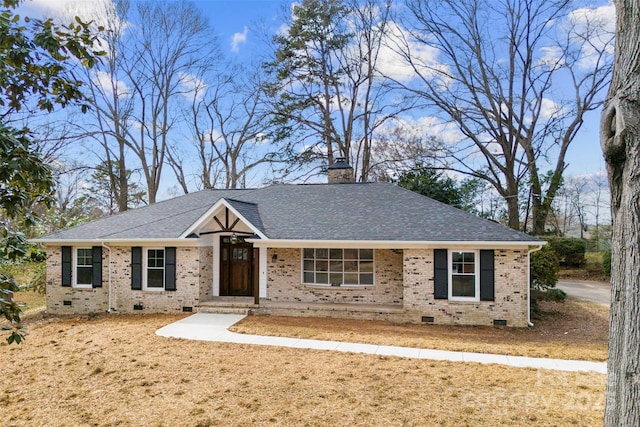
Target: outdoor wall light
<point>234,239</point>
<point>274,257</point>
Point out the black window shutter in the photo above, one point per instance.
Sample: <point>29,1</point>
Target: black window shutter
<point>136,268</point>
<point>440,274</point>
<point>66,266</point>
<point>96,261</point>
<point>170,269</point>
<point>486,275</point>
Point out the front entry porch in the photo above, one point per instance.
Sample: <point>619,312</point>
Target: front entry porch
<point>246,305</point>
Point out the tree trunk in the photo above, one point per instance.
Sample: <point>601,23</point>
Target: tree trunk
<point>620,137</point>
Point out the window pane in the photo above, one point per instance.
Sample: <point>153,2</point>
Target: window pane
<point>469,268</point>
<point>308,265</point>
<point>336,253</point>
<point>351,278</point>
<point>456,256</point>
<point>308,277</point>
<point>84,275</point>
<point>366,254</point>
<point>366,278</point>
<point>308,253</point>
<point>335,266</point>
<point>463,286</point>
<point>84,257</point>
<point>469,257</point>
<point>155,278</point>
<point>322,265</point>
<point>350,254</point>
<point>351,266</point>
<point>322,253</point>
<point>335,278</point>
<point>366,266</point>
<point>155,258</point>
<point>322,278</point>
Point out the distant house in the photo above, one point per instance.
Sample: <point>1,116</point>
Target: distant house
<point>342,249</point>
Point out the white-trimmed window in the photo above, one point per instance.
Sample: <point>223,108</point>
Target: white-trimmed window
<point>83,267</point>
<point>154,269</point>
<point>324,266</point>
<point>464,275</point>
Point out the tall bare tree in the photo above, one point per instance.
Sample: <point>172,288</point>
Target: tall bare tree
<point>171,42</point>
<point>112,103</point>
<point>516,77</point>
<point>155,49</point>
<point>620,137</point>
<point>230,122</point>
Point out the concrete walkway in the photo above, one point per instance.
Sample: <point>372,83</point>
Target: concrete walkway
<point>214,327</point>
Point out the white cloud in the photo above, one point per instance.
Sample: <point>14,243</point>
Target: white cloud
<point>552,57</point>
<point>550,108</point>
<point>191,85</point>
<point>393,64</point>
<point>103,80</point>
<point>100,11</point>
<point>592,29</point>
<point>237,39</point>
<point>260,139</point>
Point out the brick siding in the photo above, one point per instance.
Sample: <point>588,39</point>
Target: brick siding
<point>284,281</point>
<point>403,279</point>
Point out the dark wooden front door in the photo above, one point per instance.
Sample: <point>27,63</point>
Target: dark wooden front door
<point>236,268</point>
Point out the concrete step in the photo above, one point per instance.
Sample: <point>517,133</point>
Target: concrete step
<point>221,309</point>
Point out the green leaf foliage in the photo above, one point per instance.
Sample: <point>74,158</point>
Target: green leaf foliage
<point>306,75</point>
<point>569,250</point>
<point>37,59</point>
<point>544,268</point>
<point>436,185</point>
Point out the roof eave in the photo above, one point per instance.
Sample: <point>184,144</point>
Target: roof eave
<point>393,244</point>
<point>123,242</point>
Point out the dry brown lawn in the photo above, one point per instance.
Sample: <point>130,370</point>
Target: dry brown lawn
<point>30,300</point>
<point>114,371</point>
<point>569,330</point>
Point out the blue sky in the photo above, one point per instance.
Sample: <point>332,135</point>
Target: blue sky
<point>236,24</point>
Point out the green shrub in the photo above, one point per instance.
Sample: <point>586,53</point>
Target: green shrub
<point>556,295</point>
<point>37,255</point>
<point>606,262</point>
<point>569,250</point>
<point>544,268</point>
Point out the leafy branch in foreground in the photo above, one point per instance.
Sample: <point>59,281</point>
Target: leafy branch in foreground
<point>37,59</point>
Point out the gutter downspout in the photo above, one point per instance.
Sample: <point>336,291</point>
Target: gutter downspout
<point>536,249</point>
<point>104,245</point>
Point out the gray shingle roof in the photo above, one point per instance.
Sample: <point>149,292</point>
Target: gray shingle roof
<point>364,211</point>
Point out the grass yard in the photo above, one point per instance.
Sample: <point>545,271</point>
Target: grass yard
<point>30,300</point>
<point>114,370</point>
<point>569,330</point>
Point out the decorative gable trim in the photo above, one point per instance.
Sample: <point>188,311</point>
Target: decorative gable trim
<point>209,214</point>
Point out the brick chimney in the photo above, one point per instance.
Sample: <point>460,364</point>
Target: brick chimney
<point>340,172</point>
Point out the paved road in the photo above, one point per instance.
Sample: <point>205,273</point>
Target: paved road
<point>598,292</point>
